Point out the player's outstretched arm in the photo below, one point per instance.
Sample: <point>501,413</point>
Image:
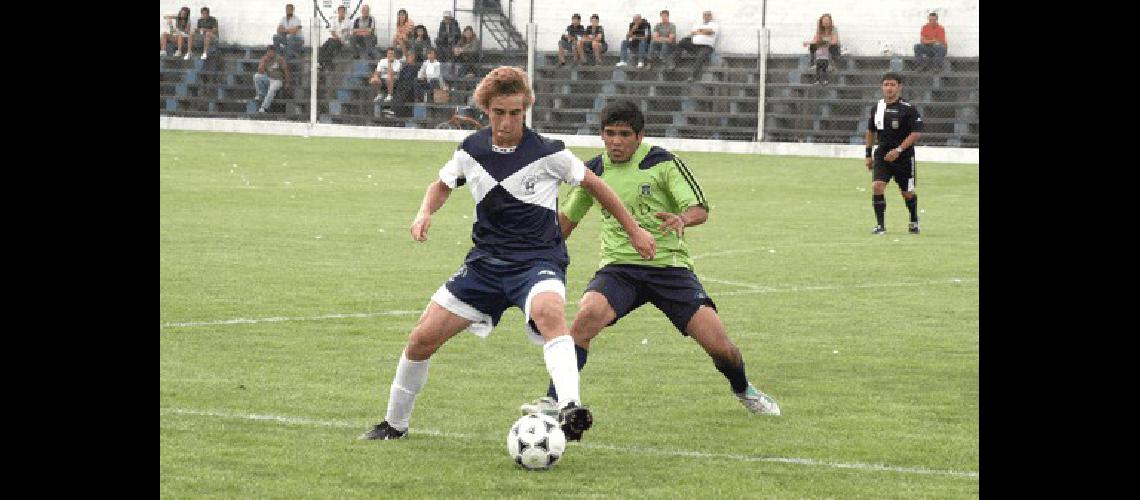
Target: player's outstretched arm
<point>566,225</point>
<point>641,239</point>
<point>436,195</point>
<point>692,216</point>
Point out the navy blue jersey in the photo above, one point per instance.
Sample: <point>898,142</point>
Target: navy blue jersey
<point>516,195</point>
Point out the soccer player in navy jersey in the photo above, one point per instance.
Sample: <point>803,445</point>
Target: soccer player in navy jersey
<point>519,258</point>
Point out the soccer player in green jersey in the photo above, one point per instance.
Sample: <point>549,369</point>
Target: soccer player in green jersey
<point>664,197</point>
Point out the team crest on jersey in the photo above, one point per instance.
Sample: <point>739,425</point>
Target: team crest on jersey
<point>645,189</point>
<point>894,124</point>
<point>528,183</point>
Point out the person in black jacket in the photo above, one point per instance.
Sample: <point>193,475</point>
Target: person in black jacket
<point>447,36</point>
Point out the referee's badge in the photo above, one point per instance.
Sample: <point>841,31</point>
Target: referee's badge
<point>645,189</point>
<point>528,183</point>
<point>894,124</point>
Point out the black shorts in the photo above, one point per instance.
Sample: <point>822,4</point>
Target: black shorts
<point>902,169</point>
<point>674,290</point>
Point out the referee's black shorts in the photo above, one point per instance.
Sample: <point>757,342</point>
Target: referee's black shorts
<point>674,290</point>
<point>902,170</point>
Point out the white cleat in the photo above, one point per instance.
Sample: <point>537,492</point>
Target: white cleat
<point>546,405</point>
<point>758,402</point>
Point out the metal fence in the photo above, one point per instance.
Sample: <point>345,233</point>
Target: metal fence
<point>755,96</point>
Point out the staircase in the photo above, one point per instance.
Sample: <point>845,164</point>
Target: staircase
<point>493,21</point>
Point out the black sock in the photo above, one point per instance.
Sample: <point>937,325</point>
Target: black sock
<point>581,355</point>
<point>880,203</point>
<point>912,205</point>
<point>733,372</point>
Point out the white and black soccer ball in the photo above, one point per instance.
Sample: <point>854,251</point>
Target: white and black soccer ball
<point>536,441</point>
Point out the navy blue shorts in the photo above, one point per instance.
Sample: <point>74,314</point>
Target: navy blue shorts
<point>482,289</point>
<point>674,290</point>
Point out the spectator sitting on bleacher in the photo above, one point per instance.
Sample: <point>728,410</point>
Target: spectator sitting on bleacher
<point>178,27</point>
<point>288,37</point>
<point>826,38</point>
<point>272,75</point>
<point>430,77</point>
<point>207,32</point>
<point>339,31</point>
<point>447,36</point>
<point>364,34</point>
<point>664,38</point>
<point>701,41</point>
<point>931,48</point>
<point>637,38</point>
<point>418,45</point>
<point>384,78</point>
<point>595,38</point>
<point>404,29</point>
<point>569,40</point>
<point>467,52</point>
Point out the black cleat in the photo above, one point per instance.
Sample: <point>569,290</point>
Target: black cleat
<point>575,420</point>
<point>913,229</point>
<point>879,230</point>
<point>383,431</point>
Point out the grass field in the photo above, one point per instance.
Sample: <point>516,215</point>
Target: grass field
<point>289,283</point>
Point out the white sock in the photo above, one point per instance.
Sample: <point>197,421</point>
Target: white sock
<point>410,378</point>
<point>562,364</point>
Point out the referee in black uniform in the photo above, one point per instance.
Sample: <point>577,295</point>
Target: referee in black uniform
<point>899,126</point>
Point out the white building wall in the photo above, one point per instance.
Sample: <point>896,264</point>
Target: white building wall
<point>867,27</point>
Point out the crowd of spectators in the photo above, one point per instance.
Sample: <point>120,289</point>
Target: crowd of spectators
<point>415,68</point>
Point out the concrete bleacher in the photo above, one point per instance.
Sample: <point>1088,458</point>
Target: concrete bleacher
<point>721,104</point>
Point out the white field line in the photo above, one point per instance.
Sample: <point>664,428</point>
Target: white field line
<point>276,319</point>
<point>805,245</point>
<point>764,289</point>
<point>751,288</point>
<point>624,449</point>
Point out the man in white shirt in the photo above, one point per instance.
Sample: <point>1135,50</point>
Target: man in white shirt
<point>339,31</point>
<point>429,78</point>
<point>288,37</point>
<point>701,41</point>
<point>384,78</point>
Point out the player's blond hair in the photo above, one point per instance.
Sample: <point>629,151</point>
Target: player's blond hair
<point>501,81</point>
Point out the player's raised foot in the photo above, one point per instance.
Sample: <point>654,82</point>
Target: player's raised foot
<point>879,230</point>
<point>758,402</point>
<point>545,405</point>
<point>575,420</point>
<point>913,228</point>
<point>383,431</point>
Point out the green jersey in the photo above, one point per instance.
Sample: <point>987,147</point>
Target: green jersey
<point>653,180</point>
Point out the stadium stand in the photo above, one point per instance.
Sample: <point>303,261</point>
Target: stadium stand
<point>722,104</point>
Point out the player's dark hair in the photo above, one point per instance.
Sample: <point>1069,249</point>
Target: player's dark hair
<point>595,16</point>
<point>892,76</point>
<point>623,112</point>
<point>576,16</point>
<point>205,9</point>
<point>666,12</point>
<point>935,14</point>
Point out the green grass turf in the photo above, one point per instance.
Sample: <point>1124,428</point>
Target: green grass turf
<point>869,343</point>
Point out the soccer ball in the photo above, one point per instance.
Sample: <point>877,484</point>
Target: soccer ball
<point>536,441</point>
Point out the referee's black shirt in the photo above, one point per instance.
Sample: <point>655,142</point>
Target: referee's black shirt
<point>899,120</point>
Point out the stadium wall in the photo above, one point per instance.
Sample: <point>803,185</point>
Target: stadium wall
<point>868,27</point>
<point>925,154</point>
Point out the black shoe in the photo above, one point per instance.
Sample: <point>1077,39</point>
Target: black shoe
<point>383,431</point>
<point>879,230</point>
<point>575,420</point>
<point>913,229</point>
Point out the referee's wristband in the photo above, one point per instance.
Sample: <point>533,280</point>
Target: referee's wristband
<point>868,152</point>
